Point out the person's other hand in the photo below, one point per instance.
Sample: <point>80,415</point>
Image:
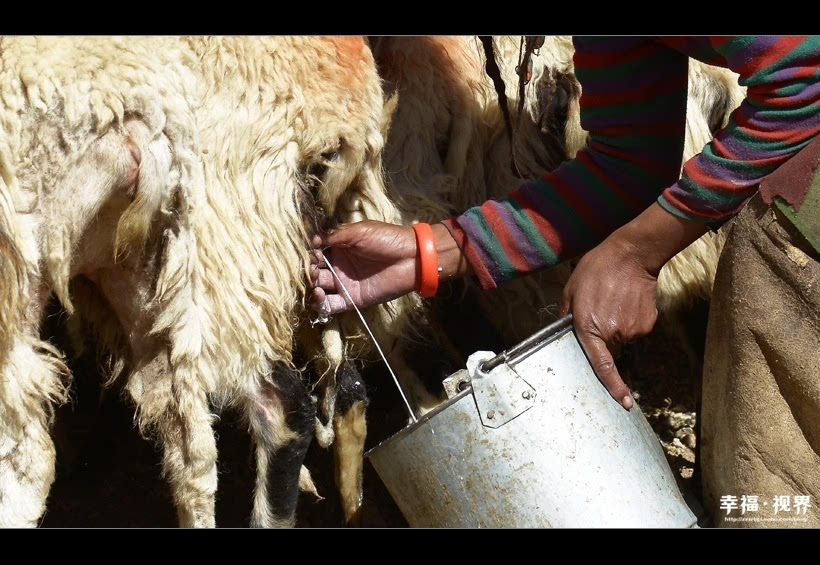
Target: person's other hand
<point>612,291</point>
<point>612,298</point>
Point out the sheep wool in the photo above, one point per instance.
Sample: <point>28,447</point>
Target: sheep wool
<point>165,189</point>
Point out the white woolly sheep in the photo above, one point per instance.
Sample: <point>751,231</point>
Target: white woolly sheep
<point>165,189</point>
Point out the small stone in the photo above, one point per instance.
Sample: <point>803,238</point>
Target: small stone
<point>689,441</point>
<point>683,432</point>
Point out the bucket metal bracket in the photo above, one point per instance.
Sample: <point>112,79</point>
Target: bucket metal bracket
<point>456,383</point>
<point>501,394</point>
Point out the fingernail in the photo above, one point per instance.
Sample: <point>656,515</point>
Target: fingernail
<point>626,402</point>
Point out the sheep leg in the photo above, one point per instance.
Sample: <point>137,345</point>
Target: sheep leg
<point>350,428</point>
<point>171,397</point>
<point>281,417</point>
<point>30,387</point>
<point>176,409</point>
<point>190,462</point>
<point>26,474</point>
<point>29,382</point>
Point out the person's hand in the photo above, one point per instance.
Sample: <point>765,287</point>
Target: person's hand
<point>376,262</point>
<point>612,298</point>
<point>612,291</point>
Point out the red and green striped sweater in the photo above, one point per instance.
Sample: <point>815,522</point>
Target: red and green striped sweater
<point>633,105</point>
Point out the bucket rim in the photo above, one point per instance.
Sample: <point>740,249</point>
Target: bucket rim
<point>423,419</point>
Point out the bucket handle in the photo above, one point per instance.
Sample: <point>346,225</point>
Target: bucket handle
<point>542,336</point>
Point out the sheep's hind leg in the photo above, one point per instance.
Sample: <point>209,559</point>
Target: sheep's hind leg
<point>350,429</point>
<point>26,474</point>
<point>190,462</point>
<point>29,383</point>
<point>184,429</point>
<point>281,417</point>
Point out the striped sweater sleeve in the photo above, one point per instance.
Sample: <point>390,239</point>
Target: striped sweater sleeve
<point>780,116</point>
<point>633,105</point>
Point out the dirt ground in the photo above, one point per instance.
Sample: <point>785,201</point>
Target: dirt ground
<point>108,476</point>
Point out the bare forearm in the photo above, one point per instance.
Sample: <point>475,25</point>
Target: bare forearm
<point>655,236</point>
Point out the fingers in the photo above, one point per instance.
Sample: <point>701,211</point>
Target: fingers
<point>326,280</point>
<point>604,366</point>
<point>325,303</point>
<point>320,274</point>
<point>317,258</point>
<point>342,236</point>
<point>566,301</point>
<point>338,304</point>
<point>322,278</point>
<point>317,299</point>
<point>324,297</point>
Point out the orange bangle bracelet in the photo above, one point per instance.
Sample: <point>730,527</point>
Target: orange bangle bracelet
<point>427,275</point>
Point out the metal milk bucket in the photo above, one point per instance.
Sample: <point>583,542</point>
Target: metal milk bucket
<point>531,438</point>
